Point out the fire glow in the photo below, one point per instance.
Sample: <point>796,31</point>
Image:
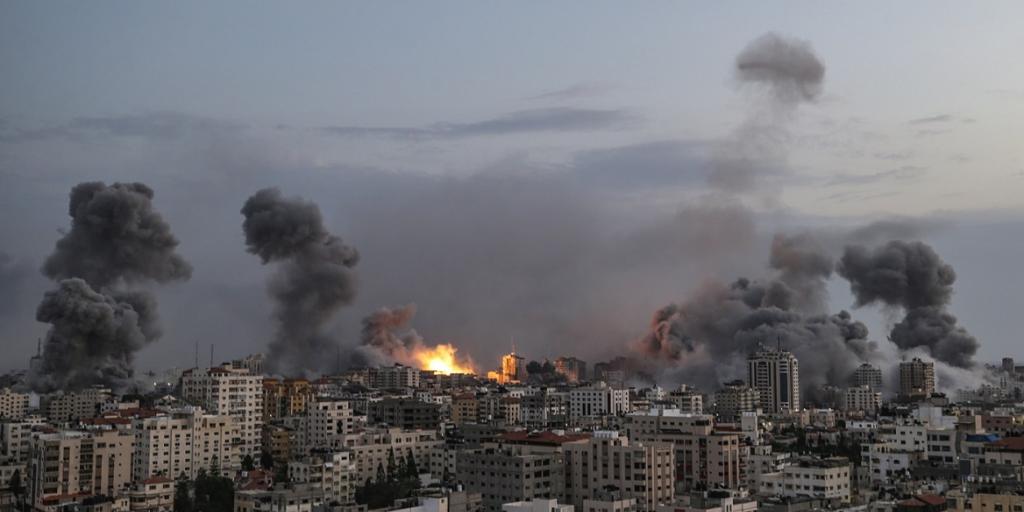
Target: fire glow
<point>442,359</point>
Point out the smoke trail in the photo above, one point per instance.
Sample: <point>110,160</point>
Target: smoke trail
<point>314,279</point>
<point>911,276</point>
<point>116,240</point>
<point>791,74</point>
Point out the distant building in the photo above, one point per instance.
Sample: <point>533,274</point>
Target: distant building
<point>370,448</point>
<point>513,368</point>
<point>288,397</point>
<point>13,405</point>
<point>252,362</point>
<point>597,400</point>
<point>394,377</point>
<point>201,442</point>
<point>574,370</point>
<point>736,398</point>
<point>509,474</point>
<point>404,413</point>
<point>64,406</point>
<point>861,399</point>
<point>687,400</point>
<point>917,379</point>
<point>230,391</point>
<point>811,477</point>
<point>775,374</point>
<point>867,375</point>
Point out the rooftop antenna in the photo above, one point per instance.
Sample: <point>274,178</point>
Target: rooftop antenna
<point>211,355</point>
<point>197,354</point>
<point>778,343</point>
<point>513,338</point>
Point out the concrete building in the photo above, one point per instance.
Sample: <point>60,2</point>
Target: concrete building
<point>536,506</point>
<point>15,441</point>
<point>917,379</point>
<point>687,400</point>
<point>152,495</point>
<point>862,399</point>
<point>597,400</point>
<point>225,390</point>
<point>511,473</point>
<point>703,457</point>
<point>298,498</point>
<point>574,370</point>
<point>330,471</point>
<point>810,477</point>
<point>775,374</point>
<point>867,375</point>
<point>252,362</point>
<point>184,442</point>
<point>465,409</point>
<point>79,463</point>
<point>371,448</point>
<point>13,405</point>
<point>394,377</point>
<point>324,420</point>
<point>513,368</point>
<point>736,398</point>
<point>997,502</point>
<point>404,413</point>
<point>287,397</point>
<point>62,406</point>
<point>641,471</point>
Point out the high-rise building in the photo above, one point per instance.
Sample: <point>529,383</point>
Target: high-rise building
<point>406,413</point>
<point>80,464</point>
<point>736,398</point>
<point>74,405</point>
<point>183,442</point>
<point>288,397</point>
<point>643,471</point>
<point>597,400</point>
<point>225,390</point>
<point>861,399</point>
<point>775,374</point>
<point>917,379</point>
<point>507,474</point>
<point>513,368</point>
<point>573,369</point>
<point>687,399</point>
<point>370,448</point>
<point>867,375</point>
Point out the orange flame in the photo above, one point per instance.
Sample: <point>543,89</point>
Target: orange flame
<point>442,359</point>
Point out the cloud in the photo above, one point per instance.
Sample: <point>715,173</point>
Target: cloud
<point>573,92</point>
<point>554,119</point>
<point>941,118</point>
<point>650,164</point>
<point>152,125</point>
<point>906,172</point>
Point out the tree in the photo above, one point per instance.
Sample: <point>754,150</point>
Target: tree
<point>392,468</point>
<point>411,471</point>
<point>14,484</point>
<point>248,464</point>
<point>182,497</point>
<point>214,493</point>
<point>266,460</point>
<point>381,475</point>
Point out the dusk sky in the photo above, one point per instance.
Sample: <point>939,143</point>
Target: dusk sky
<point>518,170</point>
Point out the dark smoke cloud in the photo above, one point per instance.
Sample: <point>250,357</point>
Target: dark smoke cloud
<point>98,323</point>
<point>911,276</point>
<point>803,267</point>
<point>787,67</point>
<point>93,337</point>
<point>314,279</point>
<point>116,235</point>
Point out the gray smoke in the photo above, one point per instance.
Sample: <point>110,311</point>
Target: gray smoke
<point>787,67</point>
<point>707,337</point>
<point>98,318</point>
<point>912,277</point>
<point>789,73</point>
<point>380,342</point>
<point>313,281</point>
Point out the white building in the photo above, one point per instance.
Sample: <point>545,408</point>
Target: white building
<point>230,391</point>
<point>536,506</point>
<point>862,399</point>
<point>331,472</point>
<point>370,448</point>
<point>815,478</point>
<point>184,442</point>
<point>598,400</point>
<point>775,374</point>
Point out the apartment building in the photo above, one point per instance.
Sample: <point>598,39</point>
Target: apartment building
<point>13,405</point>
<point>226,390</point>
<point>917,379</point>
<point>775,374</point>
<point>643,471</point>
<point>597,400</point>
<point>184,442</point>
<point>464,409</point>
<point>736,398</point>
<point>287,397</point>
<point>510,473</point>
<point>574,370</point>
<point>329,471</point>
<point>371,447</point>
<point>811,477</point>
<point>393,377</point>
<point>79,463</point>
<point>704,457</point>
<point>63,406</point>
<point>404,413</point>
<point>863,399</point>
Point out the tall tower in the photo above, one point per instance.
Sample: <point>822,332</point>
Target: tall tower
<point>513,368</point>
<point>917,378</point>
<point>775,374</point>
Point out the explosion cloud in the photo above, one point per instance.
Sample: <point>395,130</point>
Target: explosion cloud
<point>313,281</point>
<point>117,240</point>
<point>787,67</point>
<point>911,276</point>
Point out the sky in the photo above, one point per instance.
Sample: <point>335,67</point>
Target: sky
<point>519,170</point>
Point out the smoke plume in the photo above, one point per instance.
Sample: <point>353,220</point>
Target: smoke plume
<point>912,277</point>
<point>787,67</point>
<point>99,317</point>
<point>313,281</point>
<point>708,336</point>
<point>380,344</point>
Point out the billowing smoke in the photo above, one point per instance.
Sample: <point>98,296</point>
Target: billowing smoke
<point>99,316</point>
<point>381,342</point>
<point>313,281</point>
<point>912,277</point>
<point>707,337</point>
